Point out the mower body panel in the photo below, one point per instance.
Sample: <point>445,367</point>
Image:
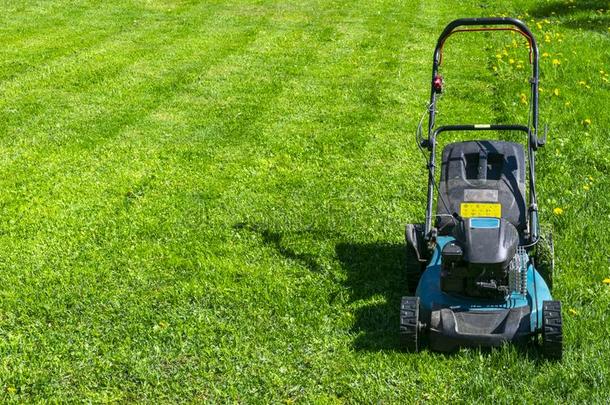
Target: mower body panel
<point>459,321</point>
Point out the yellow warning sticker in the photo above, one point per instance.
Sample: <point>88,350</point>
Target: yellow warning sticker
<point>469,210</point>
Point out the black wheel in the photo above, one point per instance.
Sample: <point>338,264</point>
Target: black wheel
<point>416,259</point>
<point>409,323</point>
<point>413,270</point>
<point>552,330</point>
<point>544,258</point>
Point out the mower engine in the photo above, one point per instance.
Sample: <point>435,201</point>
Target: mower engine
<point>484,260</point>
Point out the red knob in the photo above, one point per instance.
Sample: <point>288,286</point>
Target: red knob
<point>437,83</point>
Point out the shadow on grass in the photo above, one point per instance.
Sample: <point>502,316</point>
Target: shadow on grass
<point>577,15</point>
<point>274,240</point>
<point>376,279</point>
<point>529,351</point>
<point>376,272</point>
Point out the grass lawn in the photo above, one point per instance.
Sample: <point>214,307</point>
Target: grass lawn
<point>205,201</point>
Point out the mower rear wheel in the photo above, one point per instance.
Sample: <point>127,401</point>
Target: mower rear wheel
<point>545,257</point>
<point>409,323</point>
<point>552,330</point>
<point>416,255</point>
<point>413,270</point>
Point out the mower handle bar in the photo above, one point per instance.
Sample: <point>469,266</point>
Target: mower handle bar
<point>481,127</point>
<point>469,22</point>
<point>492,21</point>
<point>533,143</point>
<point>485,127</point>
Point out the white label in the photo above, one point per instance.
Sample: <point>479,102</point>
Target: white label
<point>480,195</point>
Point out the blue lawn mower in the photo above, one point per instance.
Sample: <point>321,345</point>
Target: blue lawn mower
<point>485,273</point>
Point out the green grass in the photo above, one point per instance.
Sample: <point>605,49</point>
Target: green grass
<point>205,201</point>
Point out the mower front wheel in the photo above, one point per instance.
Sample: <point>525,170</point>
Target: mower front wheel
<point>409,323</point>
<point>552,330</point>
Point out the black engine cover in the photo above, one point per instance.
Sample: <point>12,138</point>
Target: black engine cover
<point>477,263</point>
<point>487,244</point>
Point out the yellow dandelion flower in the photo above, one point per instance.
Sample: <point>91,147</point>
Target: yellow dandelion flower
<point>582,83</point>
<point>586,187</point>
<point>586,122</point>
<point>601,72</point>
<point>606,281</point>
<point>504,52</point>
<point>556,92</point>
<point>556,62</point>
<point>495,68</point>
<point>557,211</point>
<point>499,56</point>
<point>522,98</point>
<point>590,178</point>
<point>11,390</point>
<point>547,38</point>
<point>572,311</point>
<point>568,103</point>
<point>539,26</point>
<point>511,61</point>
<point>546,55</point>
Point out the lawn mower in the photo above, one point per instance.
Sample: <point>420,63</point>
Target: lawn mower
<point>485,268</point>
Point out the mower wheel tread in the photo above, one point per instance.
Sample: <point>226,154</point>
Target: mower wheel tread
<point>409,323</point>
<point>552,329</point>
